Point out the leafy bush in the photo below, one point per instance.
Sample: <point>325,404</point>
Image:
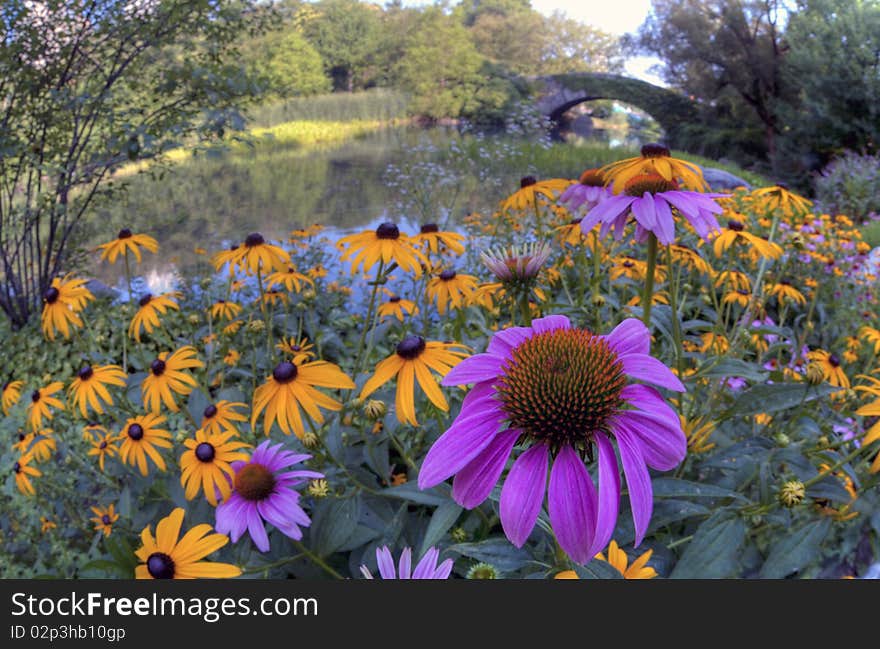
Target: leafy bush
<point>850,185</point>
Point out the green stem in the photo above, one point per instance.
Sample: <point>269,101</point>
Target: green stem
<point>673,304</point>
<point>360,348</point>
<point>648,295</point>
<point>318,561</point>
<point>854,454</point>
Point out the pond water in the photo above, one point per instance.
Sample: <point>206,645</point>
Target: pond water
<point>409,176</point>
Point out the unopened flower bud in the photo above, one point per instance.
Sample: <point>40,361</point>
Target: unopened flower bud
<point>375,409</point>
<point>782,439</point>
<point>598,300</point>
<point>318,488</point>
<point>483,571</point>
<point>792,493</point>
<point>815,375</point>
<point>310,440</point>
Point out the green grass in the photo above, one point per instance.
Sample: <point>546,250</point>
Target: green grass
<point>871,233</point>
<point>372,105</point>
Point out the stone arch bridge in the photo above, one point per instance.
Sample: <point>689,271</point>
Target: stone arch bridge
<point>558,93</point>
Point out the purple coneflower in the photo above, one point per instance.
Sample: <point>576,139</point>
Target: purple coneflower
<point>559,391</point>
<point>649,198</point>
<point>588,192</point>
<point>427,568</point>
<point>260,494</point>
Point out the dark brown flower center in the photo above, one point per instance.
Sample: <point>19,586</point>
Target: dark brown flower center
<point>576,221</point>
<point>428,228</point>
<point>35,396</point>
<point>51,296</point>
<point>411,347</point>
<point>833,360</point>
<point>561,386</point>
<point>592,178</point>
<point>284,372</point>
<point>650,182</point>
<point>160,566</point>
<point>394,299</point>
<point>16,467</point>
<point>254,482</point>
<point>447,275</point>
<point>124,233</point>
<point>205,452</point>
<point>210,411</point>
<point>105,519</point>
<point>526,181</point>
<point>387,230</point>
<point>135,432</point>
<point>85,373</point>
<point>654,150</point>
<point>254,239</point>
<point>736,226</point>
<point>145,300</point>
<point>21,437</point>
<point>157,367</point>
<point>743,291</point>
<point>102,445</point>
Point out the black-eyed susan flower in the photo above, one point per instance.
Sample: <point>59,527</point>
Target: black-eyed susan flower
<point>386,244</point>
<point>830,366</point>
<point>230,258</point>
<point>531,190</point>
<point>870,335</point>
<point>698,432</point>
<point>168,376</point>
<point>434,240</point>
<point>620,561</point>
<point>450,290</point>
<point>103,518</point>
<point>104,446</point>
<point>690,259</point>
<point>589,191</point>
<point>398,307</point>
<point>207,464</point>
<point>92,431</point>
<point>224,310</point>
<point>10,394</point>
<point>784,291</point>
<point>318,271</point>
<point>736,231</point>
<point>147,316</point>
<point>23,472</point>
<point>41,444</point>
<point>126,242</point>
<point>301,350</point>
<point>714,342</point>
<point>259,256</point>
<point>413,361</point>
<point>62,303</point>
<point>89,388</point>
<point>232,328</point>
<point>733,279</point>
<point>654,159</point>
<point>291,387</point>
<point>273,297</point>
<point>221,417</point>
<point>46,525</point>
<point>290,278</point>
<point>41,403</point>
<point>739,296</point>
<point>166,557</point>
<point>232,357</point>
<point>779,197</point>
<point>140,436</point>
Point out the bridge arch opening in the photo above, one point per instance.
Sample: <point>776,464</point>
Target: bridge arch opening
<point>611,122</point>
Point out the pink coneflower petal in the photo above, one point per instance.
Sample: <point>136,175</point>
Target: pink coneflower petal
<point>572,504</point>
<point>609,494</point>
<point>504,341</point>
<point>464,440</point>
<point>665,221</point>
<point>385,562</point>
<point>551,322</point>
<point>256,529</point>
<point>405,564</point>
<point>649,369</point>
<point>425,567</point>
<point>474,483</point>
<point>643,211</point>
<point>630,337</point>
<point>638,482</point>
<point>608,209</point>
<point>523,494</point>
<point>474,369</point>
<point>663,446</point>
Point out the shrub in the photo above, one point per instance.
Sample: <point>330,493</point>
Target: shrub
<point>850,185</point>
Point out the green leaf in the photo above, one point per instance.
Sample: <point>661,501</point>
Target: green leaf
<point>497,550</point>
<point>196,405</point>
<point>597,569</point>
<point>829,488</point>
<point>712,553</point>
<point>731,367</point>
<point>792,552</point>
<point>776,397</point>
<point>333,523</point>
<point>443,518</point>
<point>411,492</point>
<point>675,488</point>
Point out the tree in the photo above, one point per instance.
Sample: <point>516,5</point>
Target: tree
<point>722,51</point>
<point>86,86</point>
<point>570,46</point>
<point>833,65</point>
<point>286,64</point>
<point>347,34</point>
